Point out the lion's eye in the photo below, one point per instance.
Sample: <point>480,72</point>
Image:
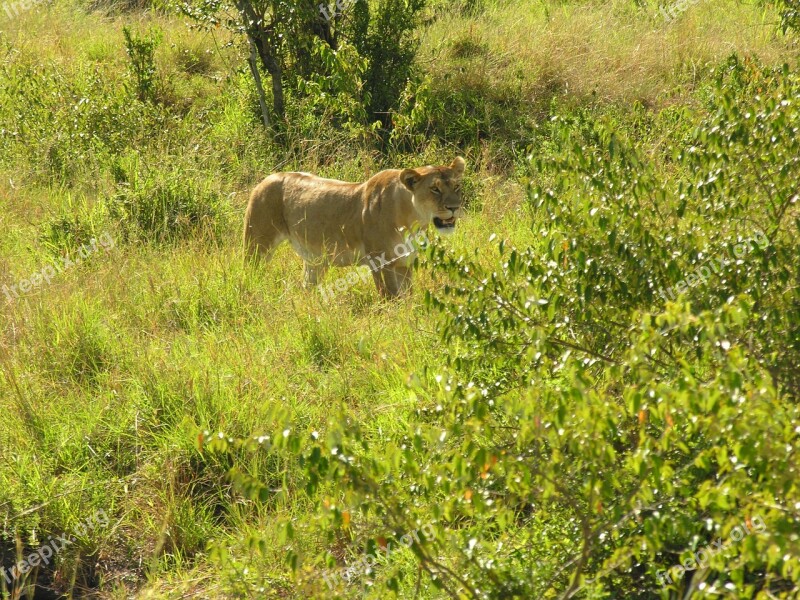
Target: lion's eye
<point>436,191</point>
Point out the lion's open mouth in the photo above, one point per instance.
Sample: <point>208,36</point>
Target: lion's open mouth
<point>444,223</point>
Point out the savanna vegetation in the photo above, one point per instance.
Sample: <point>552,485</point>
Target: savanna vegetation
<point>591,392</point>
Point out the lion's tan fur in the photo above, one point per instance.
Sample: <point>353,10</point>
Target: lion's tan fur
<point>331,222</point>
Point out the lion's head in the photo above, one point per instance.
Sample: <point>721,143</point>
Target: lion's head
<point>437,193</point>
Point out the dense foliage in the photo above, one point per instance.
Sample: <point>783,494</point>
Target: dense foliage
<point>286,37</point>
<point>591,433</point>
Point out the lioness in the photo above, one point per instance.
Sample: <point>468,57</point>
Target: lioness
<point>331,222</point>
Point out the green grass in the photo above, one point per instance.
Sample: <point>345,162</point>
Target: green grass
<point>109,371</point>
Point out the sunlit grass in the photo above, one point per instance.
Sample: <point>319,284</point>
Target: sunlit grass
<point>110,370</point>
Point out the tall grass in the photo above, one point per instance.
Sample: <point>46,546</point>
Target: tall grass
<point>110,370</point>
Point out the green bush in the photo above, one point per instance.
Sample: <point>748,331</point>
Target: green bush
<point>589,436</point>
<point>63,123</point>
<point>790,15</point>
<point>390,46</point>
<point>141,52</point>
<point>326,110</point>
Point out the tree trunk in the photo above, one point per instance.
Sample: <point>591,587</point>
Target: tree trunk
<point>258,33</point>
<point>257,78</point>
<point>274,69</point>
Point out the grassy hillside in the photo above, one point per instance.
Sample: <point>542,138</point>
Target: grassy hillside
<point>113,366</point>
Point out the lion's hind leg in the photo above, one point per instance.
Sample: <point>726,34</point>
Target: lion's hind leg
<point>264,225</point>
<point>261,247</point>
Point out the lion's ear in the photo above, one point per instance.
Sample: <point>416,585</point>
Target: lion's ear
<point>458,166</point>
<point>410,178</point>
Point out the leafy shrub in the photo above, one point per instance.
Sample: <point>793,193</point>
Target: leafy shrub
<point>389,46</point>
<point>141,52</point>
<point>305,39</point>
<point>737,175</point>
<point>590,433</point>
<point>65,123</point>
<point>328,107</point>
<point>790,15</point>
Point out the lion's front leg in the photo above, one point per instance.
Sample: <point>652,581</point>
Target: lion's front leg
<point>377,277</point>
<point>397,279</point>
<point>312,273</point>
